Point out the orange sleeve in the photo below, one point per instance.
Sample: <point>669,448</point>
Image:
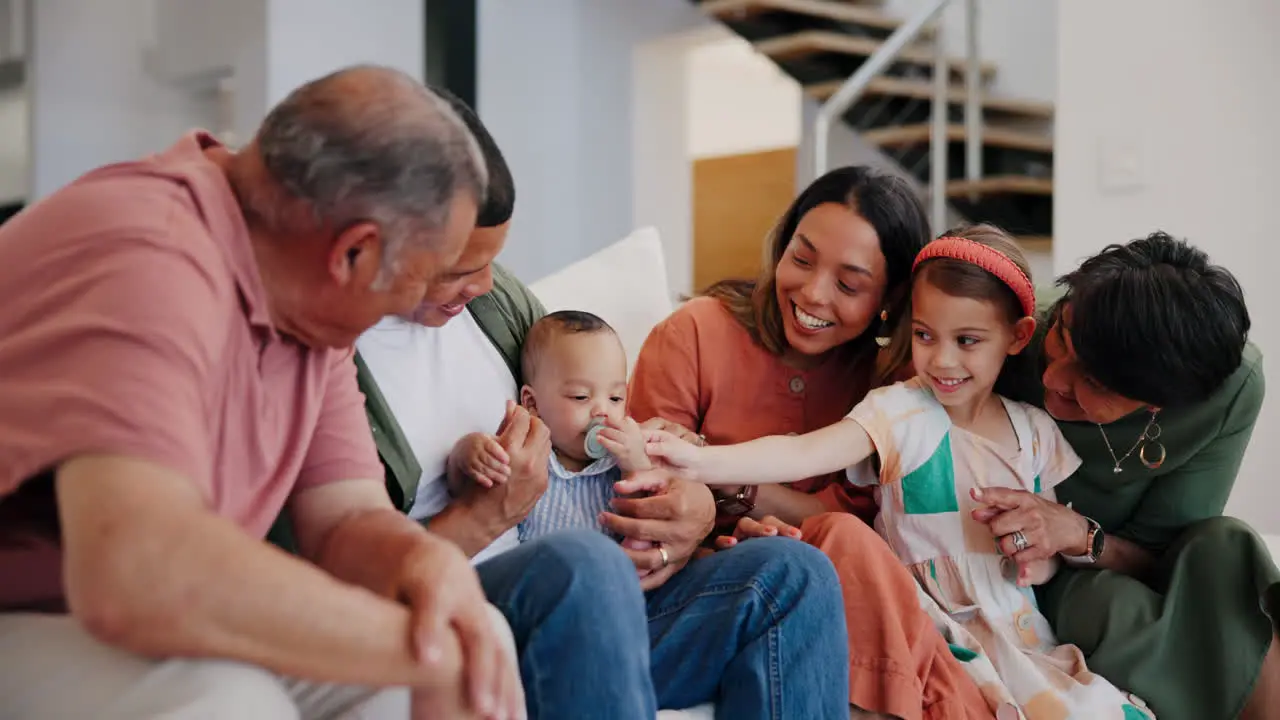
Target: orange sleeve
<point>667,379</point>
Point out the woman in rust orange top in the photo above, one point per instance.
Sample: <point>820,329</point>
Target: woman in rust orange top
<point>793,351</point>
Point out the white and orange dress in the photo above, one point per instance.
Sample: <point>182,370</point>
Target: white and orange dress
<point>927,467</point>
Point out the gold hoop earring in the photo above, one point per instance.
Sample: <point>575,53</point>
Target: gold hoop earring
<point>884,339</point>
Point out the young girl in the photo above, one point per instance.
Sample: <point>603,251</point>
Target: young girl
<point>936,441</point>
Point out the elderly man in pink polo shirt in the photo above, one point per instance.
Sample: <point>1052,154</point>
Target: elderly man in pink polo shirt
<point>175,370</point>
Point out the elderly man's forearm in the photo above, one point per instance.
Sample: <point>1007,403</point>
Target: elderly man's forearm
<point>193,585</point>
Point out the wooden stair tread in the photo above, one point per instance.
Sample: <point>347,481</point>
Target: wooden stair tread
<point>923,90</point>
<point>811,42</point>
<point>827,9</point>
<point>1001,184</point>
<point>919,133</point>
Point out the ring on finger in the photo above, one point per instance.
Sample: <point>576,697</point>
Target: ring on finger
<point>666,559</point>
<point>1019,541</point>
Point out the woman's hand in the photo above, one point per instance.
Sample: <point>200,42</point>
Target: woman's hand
<point>676,429</point>
<point>767,526</point>
<point>1048,527</point>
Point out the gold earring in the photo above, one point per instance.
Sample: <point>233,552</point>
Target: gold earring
<point>883,339</point>
<point>1150,437</point>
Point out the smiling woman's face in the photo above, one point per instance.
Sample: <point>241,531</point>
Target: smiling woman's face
<point>1070,394</point>
<point>830,281</point>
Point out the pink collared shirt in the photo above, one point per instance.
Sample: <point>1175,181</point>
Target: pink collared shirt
<point>133,321</point>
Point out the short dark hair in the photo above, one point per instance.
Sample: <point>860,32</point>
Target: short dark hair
<point>1155,321</point>
<point>500,196</point>
<point>552,326</point>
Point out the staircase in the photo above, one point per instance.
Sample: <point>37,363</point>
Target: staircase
<point>821,43</point>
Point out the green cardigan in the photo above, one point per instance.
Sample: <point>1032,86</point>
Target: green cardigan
<point>505,314</point>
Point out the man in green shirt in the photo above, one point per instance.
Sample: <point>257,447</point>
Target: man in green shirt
<point>763,620</point>
<point>1144,361</point>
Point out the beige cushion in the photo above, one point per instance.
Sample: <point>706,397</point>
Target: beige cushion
<point>624,283</point>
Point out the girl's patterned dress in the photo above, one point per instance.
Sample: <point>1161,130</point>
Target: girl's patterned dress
<point>927,467</point>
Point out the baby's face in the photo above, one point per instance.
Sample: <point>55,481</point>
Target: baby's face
<point>581,376</point>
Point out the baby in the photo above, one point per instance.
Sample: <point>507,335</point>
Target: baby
<point>575,374</point>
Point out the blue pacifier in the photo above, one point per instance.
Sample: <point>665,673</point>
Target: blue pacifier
<point>593,447</point>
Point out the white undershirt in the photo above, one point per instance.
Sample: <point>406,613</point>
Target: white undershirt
<point>440,383</point>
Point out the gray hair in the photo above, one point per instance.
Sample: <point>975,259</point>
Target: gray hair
<point>368,143</point>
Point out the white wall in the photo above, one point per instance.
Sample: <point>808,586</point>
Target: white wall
<point>14,153</point>
<point>1183,92</point>
<point>309,38</point>
<point>662,179</point>
<point>1019,35</point>
<point>738,100</point>
<point>556,89</point>
<point>699,93</point>
<point>91,102</point>
<point>112,81</point>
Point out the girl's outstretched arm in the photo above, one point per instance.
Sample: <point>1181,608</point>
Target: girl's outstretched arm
<point>766,460</point>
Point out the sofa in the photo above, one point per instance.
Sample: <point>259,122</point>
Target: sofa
<point>626,285</point>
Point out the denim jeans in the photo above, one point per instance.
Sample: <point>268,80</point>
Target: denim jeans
<point>758,629</point>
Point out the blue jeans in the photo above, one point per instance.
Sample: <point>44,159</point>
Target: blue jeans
<point>758,629</point>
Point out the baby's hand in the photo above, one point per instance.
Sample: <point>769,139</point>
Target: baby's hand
<point>480,457</point>
<point>633,544</point>
<point>625,441</point>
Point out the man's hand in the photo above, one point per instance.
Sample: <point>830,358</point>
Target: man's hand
<point>676,516</point>
<point>527,443</point>
<point>625,441</point>
<point>478,457</point>
<point>478,516</point>
<point>444,596</point>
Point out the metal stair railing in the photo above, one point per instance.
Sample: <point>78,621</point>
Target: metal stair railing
<point>853,88</point>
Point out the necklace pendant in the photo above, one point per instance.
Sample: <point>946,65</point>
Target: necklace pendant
<point>1117,470</point>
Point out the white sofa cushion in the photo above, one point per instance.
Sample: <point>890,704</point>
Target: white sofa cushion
<point>624,283</point>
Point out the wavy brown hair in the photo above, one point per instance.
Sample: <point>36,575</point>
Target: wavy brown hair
<point>887,203</point>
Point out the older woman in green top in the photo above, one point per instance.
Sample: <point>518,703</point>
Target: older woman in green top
<point>1144,362</point>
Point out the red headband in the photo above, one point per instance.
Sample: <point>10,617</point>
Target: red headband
<point>987,258</point>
